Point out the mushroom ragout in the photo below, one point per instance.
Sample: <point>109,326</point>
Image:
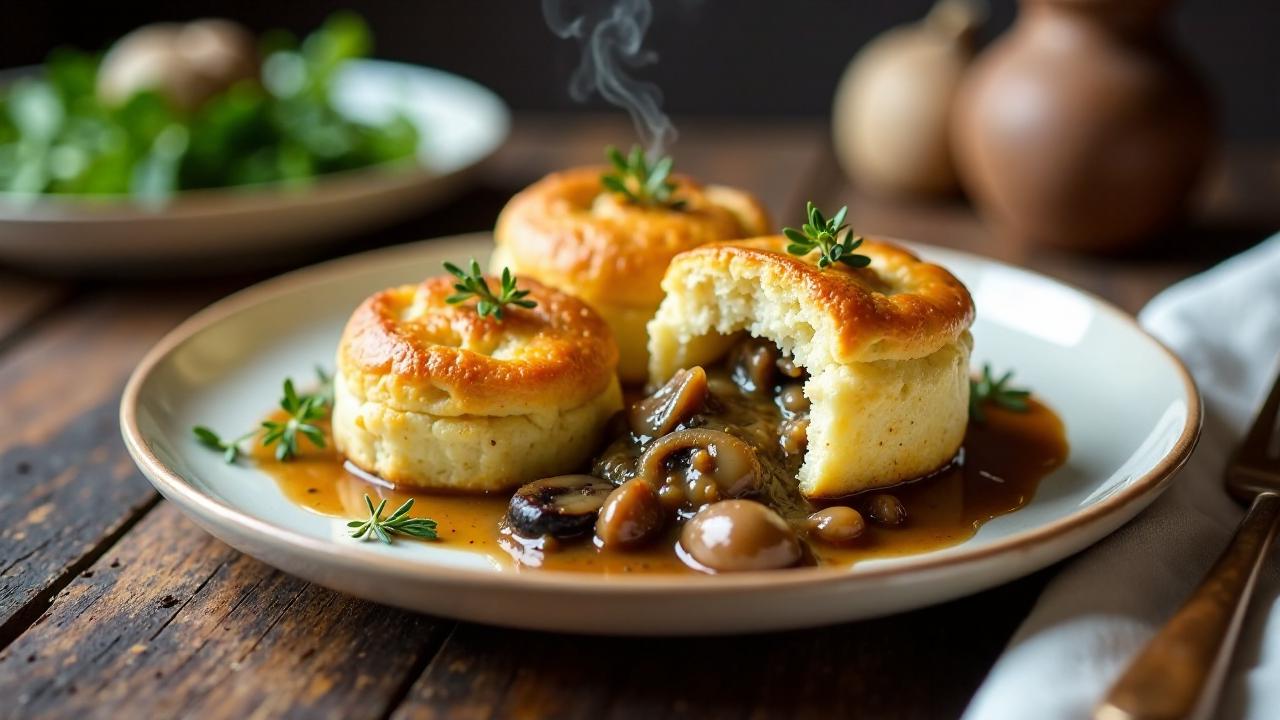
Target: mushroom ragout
<point>715,451</point>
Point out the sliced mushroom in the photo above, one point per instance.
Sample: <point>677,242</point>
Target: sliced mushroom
<point>672,404</point>
<point>736,535</point>
<point>703,453</point>
<point>561,506</point>
<point>632,516</point>
<point>754,362</point>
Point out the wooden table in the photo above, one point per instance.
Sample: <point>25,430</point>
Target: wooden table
<point>111,600</point>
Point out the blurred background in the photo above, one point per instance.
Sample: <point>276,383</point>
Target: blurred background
<point>717,57</point>
<point>1043,132</point>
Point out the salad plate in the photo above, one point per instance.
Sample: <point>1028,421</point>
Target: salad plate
<point>460,123</point>
<point>1130,410</point>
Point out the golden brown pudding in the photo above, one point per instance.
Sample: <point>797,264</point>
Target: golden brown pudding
<point>884,350</point>
<point>568,231</point>
<point>434,395</point>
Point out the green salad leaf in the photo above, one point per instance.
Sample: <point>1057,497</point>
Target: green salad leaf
<point>57,138</point>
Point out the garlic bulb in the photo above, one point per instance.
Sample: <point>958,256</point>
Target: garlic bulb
<point>892,107</point>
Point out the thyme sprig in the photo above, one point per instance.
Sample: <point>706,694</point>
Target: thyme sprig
<point>988,389</point>
<point>471,283</point>
<point>398,523</point>
<point>303,410</point>
<point>824,235</point>
<point>229,448</point>
<point>639,182</point>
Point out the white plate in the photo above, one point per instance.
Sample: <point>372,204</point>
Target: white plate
<point>1131,411</point>
<point>461,124</point>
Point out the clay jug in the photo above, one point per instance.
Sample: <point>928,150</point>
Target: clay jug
<point>1082,127</point>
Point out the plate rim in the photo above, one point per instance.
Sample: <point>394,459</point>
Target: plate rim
<point>199,505</point>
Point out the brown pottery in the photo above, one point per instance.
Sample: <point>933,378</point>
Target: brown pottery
<point>1083,127</point>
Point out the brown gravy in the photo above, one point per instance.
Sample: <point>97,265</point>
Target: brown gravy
<point>1004,460</point>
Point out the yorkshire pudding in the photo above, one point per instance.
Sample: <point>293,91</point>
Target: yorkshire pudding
<point>434,395</point>
<point>886,348</point>
<point>568,231</point>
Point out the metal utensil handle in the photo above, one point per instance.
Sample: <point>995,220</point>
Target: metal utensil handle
<point>1178,674</point>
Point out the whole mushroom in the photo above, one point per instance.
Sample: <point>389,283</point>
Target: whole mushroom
<point>186,63</point>
<point>739,535</point>
<point>632,515</point>
<point>836,525</point>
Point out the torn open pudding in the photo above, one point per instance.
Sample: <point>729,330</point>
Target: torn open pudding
<point>780,381</point>
<point>883,351</point>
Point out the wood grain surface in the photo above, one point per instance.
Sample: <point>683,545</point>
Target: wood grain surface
<point>112,604</point>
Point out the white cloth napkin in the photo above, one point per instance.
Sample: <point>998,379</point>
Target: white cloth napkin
<point>1106,603</point>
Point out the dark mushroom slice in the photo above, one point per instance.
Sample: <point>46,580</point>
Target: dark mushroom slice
<point>694,454</point>
<point>738,535</point>
<point>754,362</point>
<point>673,403</point>
<point>562,506</point>
<point>632,516</point>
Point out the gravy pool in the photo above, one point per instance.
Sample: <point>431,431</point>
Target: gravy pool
<point>1000,466</point>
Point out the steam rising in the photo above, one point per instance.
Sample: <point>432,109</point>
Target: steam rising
<point>612,34</point>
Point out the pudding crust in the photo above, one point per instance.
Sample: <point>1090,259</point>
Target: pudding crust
<point>408,347</point>
<point>430,394</point>
<point>897,308</point>
<point>886,347</point>
<point>568,231</point>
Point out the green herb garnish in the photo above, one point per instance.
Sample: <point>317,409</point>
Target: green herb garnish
<point>638,181</point>
<point>473,284</point>
<point>230,449</point>
<point>997,391</point>
<point>824,235</point>
<point>303,410</point>
<point>398,523</point>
